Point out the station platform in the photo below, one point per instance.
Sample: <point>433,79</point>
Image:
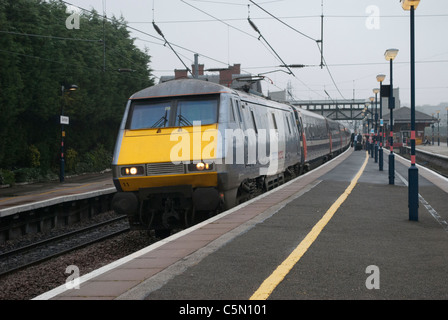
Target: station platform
<point>338,232</point>
<point>25,197</point>
<point>436,149</point>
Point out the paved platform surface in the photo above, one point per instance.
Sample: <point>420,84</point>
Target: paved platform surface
<point>23,197</point>
<point>368,248</point>
<point>441,150</point>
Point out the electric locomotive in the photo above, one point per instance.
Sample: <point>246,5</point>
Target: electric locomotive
<point>188,149</point>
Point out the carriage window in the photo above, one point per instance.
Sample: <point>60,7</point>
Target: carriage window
<point>253,120</point>
<point>231,112</point>
<point>274,121</point>
<point>237,106</point>
<point>287,122</point>
<point>292,122</point>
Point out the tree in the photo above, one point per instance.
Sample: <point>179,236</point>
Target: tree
<point>38,55</point>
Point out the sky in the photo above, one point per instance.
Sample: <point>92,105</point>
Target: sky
<point>356,34</point>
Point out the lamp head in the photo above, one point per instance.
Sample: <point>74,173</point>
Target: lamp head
<point>390,54</point>
<point>371,99</point>
<point>380,77</point>
<point>407,4</point>
<point>376,90</point>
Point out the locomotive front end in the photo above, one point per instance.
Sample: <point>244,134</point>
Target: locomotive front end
<point>164,161</point>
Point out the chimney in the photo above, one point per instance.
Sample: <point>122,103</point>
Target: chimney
<point>236,69</point>
<point>200,69</point>
<point>180,73</point>
<point>225,76</point>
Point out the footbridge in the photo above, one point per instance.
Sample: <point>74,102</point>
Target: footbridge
<point>355,109</point>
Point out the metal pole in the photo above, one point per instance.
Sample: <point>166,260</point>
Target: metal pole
<point>413,170</point>
<point>380,151</point>
<point>432,127</point>
<point>370,133</point>
<point>376,128</point>
<point>62,166</point>
<point>391,129</point>
<point>438,129</point>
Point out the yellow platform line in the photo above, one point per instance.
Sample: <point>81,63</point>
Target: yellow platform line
<point>266,288</point>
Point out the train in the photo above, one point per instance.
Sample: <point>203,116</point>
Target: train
<point>188,149</point>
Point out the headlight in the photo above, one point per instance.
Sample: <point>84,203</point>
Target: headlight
<point>132,171</point>
<point>200,166</point>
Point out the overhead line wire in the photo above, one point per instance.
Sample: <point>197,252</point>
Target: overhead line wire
<point>261,36</point>
<point>64,63</point>
<point>331,76</point>
<point>150,35</point>
<point>46,36</point>
<point>256,29</point>
<point>169,44</point>
<point>307,36</point>
<point>303,34</point>
<point>220,20</point>
<point>181,47</point>
<point>285,18</point>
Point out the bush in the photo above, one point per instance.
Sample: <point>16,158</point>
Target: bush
<point>94,161</point>
<point>6,177</point>
<point>34,156</point>
<point>71,159</point>
<point>27,174</point>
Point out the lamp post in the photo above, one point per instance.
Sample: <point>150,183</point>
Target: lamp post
<point>365,128</point>
<point>64,120</point>
<point>365,124</point>
<point>413,170</point>
<point>390,55</point>
<point>438,128</point>
<point>447,126</point>
<point>432,127</point>
<point>380,78</point>
<point>371,135</point>
<point>364,117</point>
<point>366,108</point>
<point>375,91</point>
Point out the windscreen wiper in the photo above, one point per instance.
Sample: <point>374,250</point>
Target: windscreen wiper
<point>183,120</point>
<point>160,121</point>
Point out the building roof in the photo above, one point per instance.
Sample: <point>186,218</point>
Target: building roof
<point>403,115</point>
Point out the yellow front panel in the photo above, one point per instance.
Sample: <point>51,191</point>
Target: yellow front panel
<point>193,179</point>
<point>168,145</point>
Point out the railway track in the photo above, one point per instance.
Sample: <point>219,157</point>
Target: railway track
<point>26,256</point>
<point>441,168</point>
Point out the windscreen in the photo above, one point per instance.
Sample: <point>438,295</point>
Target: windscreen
<point>149,114</point>
<point>146,115</point>
<point>203,110</point>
